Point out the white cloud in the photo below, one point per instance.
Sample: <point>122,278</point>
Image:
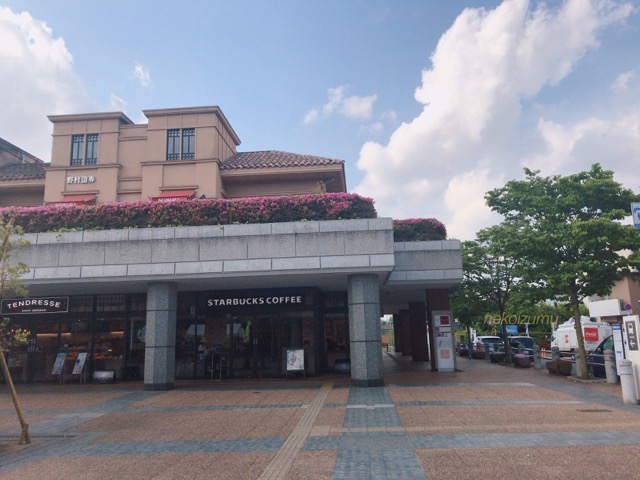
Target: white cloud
<point>358,108</point>
<point>37,80</point>
<point>465,138</point>
<point>372,128</point>
<point>464,197</point>
<point>572,147</point>
<point>141,73</point>
<point>621,83</point>
<point>118,104</point>
<point>353,107</point>
<point>311,116</point>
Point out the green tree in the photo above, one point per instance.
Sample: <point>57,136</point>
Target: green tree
<point>492,275</point>
<point>570,233</point>
<point>10,272</point>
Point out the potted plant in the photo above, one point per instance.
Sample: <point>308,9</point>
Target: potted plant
<point>521,360</point>
<point>559,367</point>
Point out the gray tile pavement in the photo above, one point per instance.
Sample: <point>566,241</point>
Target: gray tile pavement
<point>367,440</point>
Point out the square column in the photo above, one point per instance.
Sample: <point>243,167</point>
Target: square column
<point>364,330</point>
<point>397,336</point>
<point>160,346</point>
<point>418,315</point>
<point>405,332</point>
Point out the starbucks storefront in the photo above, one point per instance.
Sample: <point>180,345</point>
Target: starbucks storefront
<point>238,334</point>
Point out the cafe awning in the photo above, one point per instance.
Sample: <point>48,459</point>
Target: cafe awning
<point>77,200</point>
<point>172,195</point>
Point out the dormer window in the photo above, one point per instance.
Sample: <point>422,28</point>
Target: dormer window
<point>181,144</point>
<point>84,149</point>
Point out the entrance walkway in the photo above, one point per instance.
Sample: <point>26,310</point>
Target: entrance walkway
<point>485,421</point>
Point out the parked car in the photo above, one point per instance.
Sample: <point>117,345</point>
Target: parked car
<point>595,360</point>
<point>521,340</point>
<point>478,349</point>
<point>517,340</point>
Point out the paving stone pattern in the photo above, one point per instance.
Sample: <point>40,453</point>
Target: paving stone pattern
<point>371,438</point>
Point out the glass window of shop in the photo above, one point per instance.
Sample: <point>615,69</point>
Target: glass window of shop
<point>102,326</point>
<point>336,328</point>
<point>245,339</point>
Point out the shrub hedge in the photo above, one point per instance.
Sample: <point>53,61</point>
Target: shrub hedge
<point>418,229</point>
<point>143,214</point>
<point>215,211</point>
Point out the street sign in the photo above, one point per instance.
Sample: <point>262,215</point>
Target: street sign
<point>635,211</point>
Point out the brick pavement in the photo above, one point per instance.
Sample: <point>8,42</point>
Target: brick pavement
<point>485,421</point>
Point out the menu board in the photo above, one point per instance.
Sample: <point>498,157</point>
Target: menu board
<point>79,365</point>
<point>58,365</point>
<point>295,360</point>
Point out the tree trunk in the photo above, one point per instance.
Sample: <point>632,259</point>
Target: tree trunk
<point>584,372</point>
<point>24,434</point>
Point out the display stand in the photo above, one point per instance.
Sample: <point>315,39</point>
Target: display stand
<point>78,367</point>
<point>58,366</point>
<point>295,361</point>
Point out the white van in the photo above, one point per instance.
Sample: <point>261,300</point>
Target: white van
<point>594,333</point>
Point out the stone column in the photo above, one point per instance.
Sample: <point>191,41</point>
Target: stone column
<point>160,346</point>
<point>405,331</point>
<point>397,335</point>
<point>418,316</point>
<point>364,331</point>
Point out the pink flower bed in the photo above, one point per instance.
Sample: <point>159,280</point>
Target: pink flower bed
<point>142,214</point>
<point>418,229</point>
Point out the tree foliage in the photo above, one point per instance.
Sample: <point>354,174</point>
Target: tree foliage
<point>10,272</point>
<point>570,232</point>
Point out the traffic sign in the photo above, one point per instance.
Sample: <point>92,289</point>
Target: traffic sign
<point>635,211</point>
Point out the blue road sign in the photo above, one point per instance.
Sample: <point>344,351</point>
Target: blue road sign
<point>635,211</point>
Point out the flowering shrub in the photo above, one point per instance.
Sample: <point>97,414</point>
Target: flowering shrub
<point>214,211</point>
<point>418,229</point>
<point>142,214</point>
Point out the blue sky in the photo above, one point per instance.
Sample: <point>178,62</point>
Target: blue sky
<point>430,103</point>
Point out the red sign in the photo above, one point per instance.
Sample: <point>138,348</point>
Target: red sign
<point>590,334</point>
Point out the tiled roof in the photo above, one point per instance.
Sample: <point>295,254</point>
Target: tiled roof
<point>22,171</point>
<point>275,159</point>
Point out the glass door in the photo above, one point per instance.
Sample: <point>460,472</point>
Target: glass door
<point>266,346</point>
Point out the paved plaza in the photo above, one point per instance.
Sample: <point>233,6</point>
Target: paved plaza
<point>483,421</point>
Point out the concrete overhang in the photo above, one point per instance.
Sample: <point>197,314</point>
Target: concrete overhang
<point>223,257</point>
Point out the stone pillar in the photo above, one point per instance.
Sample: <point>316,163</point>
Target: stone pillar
<point>537,358</point>
<point>397,334</point>
<point>418,320</point>
<point>610,366</point>
<point>160,345</point>
<point>405,331</point>
<point>628,383</point>
<point>364,330</point>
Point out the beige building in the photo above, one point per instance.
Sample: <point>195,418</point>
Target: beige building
<point>179,153</point>
<point>21,177</point>
<point>212,301</point>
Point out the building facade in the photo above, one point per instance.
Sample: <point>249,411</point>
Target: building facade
<point>219,301</point>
